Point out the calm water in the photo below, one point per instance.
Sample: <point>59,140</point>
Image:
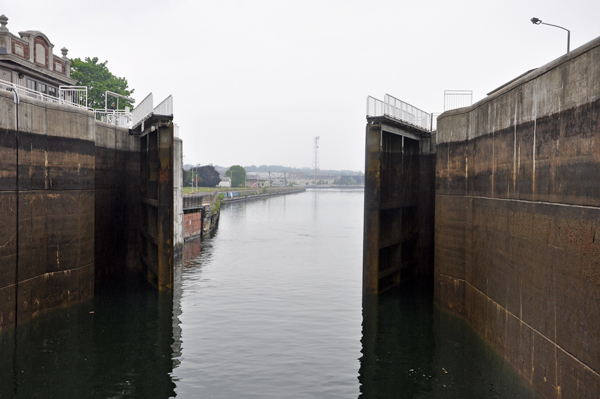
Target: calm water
<point>270,307</point>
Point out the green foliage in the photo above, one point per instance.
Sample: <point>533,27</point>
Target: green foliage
<point>346,181</point>
<point>188,178</point>
<point>208,175</point>
<point>98,79</point>
<point>264,190</point>
<point>237,174</point>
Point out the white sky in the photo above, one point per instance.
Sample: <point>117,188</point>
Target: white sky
<point>254,81</point>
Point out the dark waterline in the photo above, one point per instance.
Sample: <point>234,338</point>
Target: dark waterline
<point>270,307</point>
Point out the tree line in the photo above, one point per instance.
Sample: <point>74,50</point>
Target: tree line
<point>207,176</point>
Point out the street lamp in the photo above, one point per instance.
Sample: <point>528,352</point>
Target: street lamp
<point>537,21</point>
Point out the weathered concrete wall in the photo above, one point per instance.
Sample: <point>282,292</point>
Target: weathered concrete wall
<point>517,219</point>
<point>178,228</point>
<point>78,205</point>
<point>55,200</point>
<point>399,205</point>
<point>117,200</point>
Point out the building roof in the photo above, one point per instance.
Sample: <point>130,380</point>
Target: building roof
<point>32,54</point>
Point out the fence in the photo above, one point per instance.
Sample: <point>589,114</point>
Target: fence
<point>397,109</point>
<point>70,95</point>
<point>114,117</point>
<point>375,107</point>
<point>457,99</point>
<point>76,96</point>
<point>73,95</point>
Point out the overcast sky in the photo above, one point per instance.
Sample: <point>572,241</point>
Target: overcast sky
<point>254,81</point>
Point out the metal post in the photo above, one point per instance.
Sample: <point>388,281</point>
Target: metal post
<point>537,21</point>
<point>17,101</point>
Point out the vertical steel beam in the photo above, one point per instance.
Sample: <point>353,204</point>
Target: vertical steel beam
<point>165,207</point>
<point>371,214</point>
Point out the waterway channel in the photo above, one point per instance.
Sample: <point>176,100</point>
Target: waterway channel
<point>270,307</point>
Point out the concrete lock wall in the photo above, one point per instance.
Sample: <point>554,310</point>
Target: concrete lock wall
<point>78,205</point>
<point>178,229</point>
<point>517,222</point>
<point>55,201</point>
<point>117,200</point>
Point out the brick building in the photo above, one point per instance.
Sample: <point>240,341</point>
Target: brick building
<point>28,60</point>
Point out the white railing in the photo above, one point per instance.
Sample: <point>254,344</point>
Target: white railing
<point>121,118</point>
<point>397,109</point>
<point>143,109</point>
<point>457,99</point>
<point>165,107</point>
<point>61,99</point>
<point>74,95</point>
<point>374,107</point>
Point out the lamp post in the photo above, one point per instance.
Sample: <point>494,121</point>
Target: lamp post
<point>537,21</point>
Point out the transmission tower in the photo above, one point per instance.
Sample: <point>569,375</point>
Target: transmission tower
<point>315,159</point>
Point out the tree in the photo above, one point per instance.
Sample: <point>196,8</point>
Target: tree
<point>237,174</point>
<point>208,175</point>
<point>98,79</point>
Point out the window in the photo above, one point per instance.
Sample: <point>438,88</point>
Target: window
<point>40,54</point>
<point>52,91</point>
<point>41,87</point>
<point>31,84</point>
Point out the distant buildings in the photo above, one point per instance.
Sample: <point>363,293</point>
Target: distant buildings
<point>225,181</point>
<point>257,183</point>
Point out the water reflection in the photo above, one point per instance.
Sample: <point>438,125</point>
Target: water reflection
<point>268,308</point>
<point>117,345</point>
<point>412,350</point>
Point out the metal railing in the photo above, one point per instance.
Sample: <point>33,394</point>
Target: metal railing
<point>375,107</point>
<point>66,95</point>
<point>74,95</point>
<point>399,110</point>
<point>457,99</point>
<point>114,117</point>
<point>143,109</point>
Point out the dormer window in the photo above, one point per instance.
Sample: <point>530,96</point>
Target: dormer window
<point>31,54</point>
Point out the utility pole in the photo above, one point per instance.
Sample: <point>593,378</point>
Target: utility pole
<point>316,158</point>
